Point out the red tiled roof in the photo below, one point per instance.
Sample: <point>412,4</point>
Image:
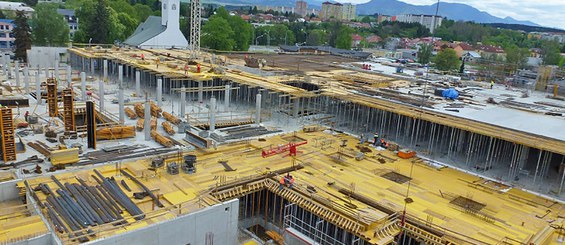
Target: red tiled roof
<point>374,39</point>
<point>466,46</point>
<point>356,37</point>
<point>490,49</point>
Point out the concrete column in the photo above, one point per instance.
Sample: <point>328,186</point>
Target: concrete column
<point>182,104</point>
<point>212,114</point>
<point>37,88</point>
<point>47,71</point>
<point>101,94</point>
<point>121,104</point>
<point>121,74</point>
<point>8,66</point>
<point>56,71</point>
<point>17,71</point>
<point>258,108</point>
<point>159,92</point>
<point>92,66</point>
<point>296,103</point>
<point>200,91</point>
<point>5,65</point>
<point>137,84</point>
<point>105,70</point>
<point>227,93</point>
<point>147,122</point>
<point>83,85</point>
<point>69,76</point>
<point>26,78</point>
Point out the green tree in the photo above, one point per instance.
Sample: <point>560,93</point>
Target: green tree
<point>550,53</point>
<point>142,11</point>
<point>425,53</point>
<point>49,27</point>
<point>446,60</point>
<point>366,19</point>
<point>129,23</point>
<point>316,37</point>
<point>22,33</point>
<point>242,33</point>
<point>516,57</point>
<point>99,28</point>
<point>216,34</point>
<point>343,39</point>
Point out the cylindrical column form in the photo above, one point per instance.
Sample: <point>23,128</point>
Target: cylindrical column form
<point>258,108</point>
<point>120,74</point>
<point>70,76</point>
<point>101,94</point>
<point>227,97</point>
<point>92,66</point>
<point>147,122</point>
<point>212,114</point>
<point>200,91</point>
<point>159,92</point>
<point>137,84</point>
<point>37,88</point>
<point>121,105</point>
<point>82,85</point>
<point>5,63</point>
<point>26,78</point>
<point>295,107</point>
<point>17,71</point>
<point>182,103</point>
<point>105,70</point>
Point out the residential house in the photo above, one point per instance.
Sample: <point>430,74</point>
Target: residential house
<point>356,40</point>
<point>463,48</point>
<point>6,36</point>
<point>373,40</point>
<point>491,52</point>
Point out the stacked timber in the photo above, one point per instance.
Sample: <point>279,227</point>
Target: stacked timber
<point>171,118</point>
<point>140,123</point>
<point>166,142</point>
<point>155,110</point>
<point>64,156</point>
<point>130,113</point>
<point>139,110</point>
<point>120,132</point>
<point>168,127</point>
<point>153,123</point>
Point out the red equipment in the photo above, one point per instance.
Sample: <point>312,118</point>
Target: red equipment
<point>290,147</point>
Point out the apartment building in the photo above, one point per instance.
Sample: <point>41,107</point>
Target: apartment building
<point>430,21</point>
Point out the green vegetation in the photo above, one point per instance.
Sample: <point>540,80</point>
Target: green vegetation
<point>516,57</point>
<point>225,32</point>
<point>446,60</point>
<point>49,27</point>
<point>425,53</point>
<point>22,33</point>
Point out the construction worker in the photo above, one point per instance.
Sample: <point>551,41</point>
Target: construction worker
<point>158,61</point>
<point>491,84</point>
<point>362,139</point>
<point>282,182</point>
<point>142,56</point>
<point>290,181</point>
<point>376,139</point>
<point>186,70</point>
<point>383,143</point>
<point>197,68</point>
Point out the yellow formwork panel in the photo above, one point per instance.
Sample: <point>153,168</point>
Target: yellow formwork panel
<point>180,196</point>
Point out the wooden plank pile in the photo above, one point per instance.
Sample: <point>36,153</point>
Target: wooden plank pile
<point>155,110</point>
<point>168,127</point>
<point>166,142</point>
<point>130,113</point>
<point>120,132</point>
<point>139,110</point>
<point>153,123</point>
<point>171,118</point>
<point>139,125</point>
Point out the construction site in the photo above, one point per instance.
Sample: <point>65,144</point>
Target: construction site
<point>158,146</point>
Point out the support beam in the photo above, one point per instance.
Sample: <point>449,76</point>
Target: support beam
<point>137,83</point>
<point>159,92</point>
<point>69,76</point>
<point>200,91</point>
<point>296,104</point>
<point>101,94</point>
<point>17,71</point>
<point>26,78</point>
<point>147,121</point>
<point>227,97</point>
<point>82,85</point>
<point>182,106</point>
<point>92,66</point>
<point>212,114</point>
<point>121,74</point>
<point>105,77</point>
<point>121,104</point>
<point>37,87</point>
<point>258,108</point>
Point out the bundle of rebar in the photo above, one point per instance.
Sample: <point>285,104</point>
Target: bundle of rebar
<point>130,113</point>
<point>166,142</point>
<point>73,208</point>
<point>171,118</point>
<point>112,133</point>
<point>168,127</point>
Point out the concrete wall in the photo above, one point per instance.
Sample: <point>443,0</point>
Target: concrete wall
<point>8,190</point>
<point>220,221</point>
<point>45,239</point>
<point>45,56</point>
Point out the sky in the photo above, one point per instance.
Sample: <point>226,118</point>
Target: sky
<point>550,13</point>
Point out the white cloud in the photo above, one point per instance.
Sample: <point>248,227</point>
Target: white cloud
<point>549,13</point>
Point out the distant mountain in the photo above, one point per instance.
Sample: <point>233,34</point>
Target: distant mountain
<point>453,11</point>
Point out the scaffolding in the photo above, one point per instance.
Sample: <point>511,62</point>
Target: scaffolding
<point>52,97</point>
<point>68,111</point>
<point>7,128</point>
